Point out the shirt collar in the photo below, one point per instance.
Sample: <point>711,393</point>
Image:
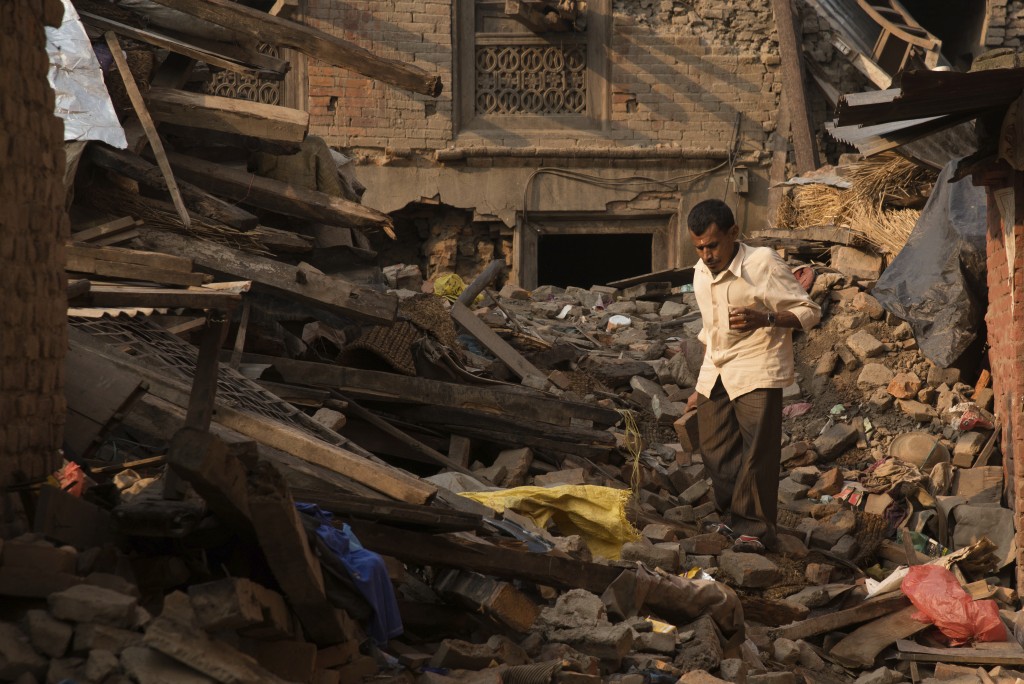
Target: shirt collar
<point>735,266</point>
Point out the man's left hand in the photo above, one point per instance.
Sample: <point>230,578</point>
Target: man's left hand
<point>744,319</point>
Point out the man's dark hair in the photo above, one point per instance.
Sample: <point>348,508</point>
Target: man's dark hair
<point>707,212</point>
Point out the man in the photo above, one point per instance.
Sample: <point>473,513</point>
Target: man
<point>750,303</point>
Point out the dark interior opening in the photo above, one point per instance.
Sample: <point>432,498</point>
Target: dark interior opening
<point>957,23</point>
<point>586,260</point>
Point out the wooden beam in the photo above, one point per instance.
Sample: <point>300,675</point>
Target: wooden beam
<point>534,19</point>
<point>481,282</point>
<point>416,445</point>
<point>779,144</point>
<point>508,400</point>
<point>139,104</point>
<point>223,55</point>
<point>104,229</point>
<point>804,143</point>
<point>108,296</point>
<point>196,199</point>
<point>326,292</point>
<point>310,41</point>
<point>227,114</point>
<point>831,622</point>
<point>499,347</point>
<point>427,549</point>
<point>282,198</point>
<point>862,646</point>
<point>379,476</point>
<point>115,262</point>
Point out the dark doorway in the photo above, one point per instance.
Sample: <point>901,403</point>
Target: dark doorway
<point>957,23</point>
<point>585,260</point>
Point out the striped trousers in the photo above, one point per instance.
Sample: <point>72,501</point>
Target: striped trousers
<point>741,442</point>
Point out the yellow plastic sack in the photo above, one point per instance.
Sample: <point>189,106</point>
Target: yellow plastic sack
<point>598,514</point>
<point>450,286</point>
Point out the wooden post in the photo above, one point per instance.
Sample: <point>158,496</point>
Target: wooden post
<point>791,51</point>
<point>480,283</point>
<point>779,145</point>
<point>148,126</point>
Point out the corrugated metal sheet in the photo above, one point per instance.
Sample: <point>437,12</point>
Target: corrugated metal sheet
<point>925,94</point>
<point>853,24</point>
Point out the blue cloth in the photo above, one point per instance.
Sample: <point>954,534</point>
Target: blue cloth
<point>367,571</point>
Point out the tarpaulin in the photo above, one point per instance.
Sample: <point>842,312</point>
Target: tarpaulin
<point>366,569</point>
<point>598,514</point>
<point>82,100</point>
<point>937,282</point>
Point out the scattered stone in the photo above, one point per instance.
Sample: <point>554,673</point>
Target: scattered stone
<point>809,657</point>
<point>865,345</point>
<point>806,475</point>
<point>695,492</point>
<point>49,635</point>
<point>749,570</point>
<point>862,301</point>
<point>943,376</point>
<point>147,666</point>
<point>656,642</point>
<point>701,677</point>
<point>874,375</point>
<point>790,490</point>
<point>705,510</point>
<point>927,395</point>
<point>772,678</point>
<point>922,413</point>
<point>835,441</point>
<point>905,385</point>
<point>847,547</point>
<point>826,364</point>
<point>818,573</point>
<point>100,665</point>
<point>570,476</point>
<point>830,482</point>
<point>16,655</point>
<point>984,398</point>
<point>83,603</point>
<point>733,670</point>
<point>672,310</point>
<point>684,514</point>
<point>967,448</point>
<point>658,532</point>
<point>785,652</point>
<point>882,675</point>
<point>90,636</point>
<point>880,399</point>
<point>710,544</point>
<point>903,331</point>
<point>704,650</point>
<point>652,556</point>
<point>789,546</point>
<point>794,451</point>
<point>856,262</point>
<point>849,359</point>
<point>517,465</point>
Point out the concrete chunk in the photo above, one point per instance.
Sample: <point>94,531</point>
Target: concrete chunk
<point>84,603</point>
<point>905,385</point>
<point>967,448</point>
<point>856,262</point>
<point>749,570</point>
<point>835,441</point>
<point>49,635</point>
<point>874,375</point>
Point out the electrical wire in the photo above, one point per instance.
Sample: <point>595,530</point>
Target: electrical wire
<point>634,444</point>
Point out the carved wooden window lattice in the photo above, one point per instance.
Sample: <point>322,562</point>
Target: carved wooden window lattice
<point>247,86</point>
<point>531,79</point>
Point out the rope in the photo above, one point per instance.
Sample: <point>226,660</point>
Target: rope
<point>634,444</point>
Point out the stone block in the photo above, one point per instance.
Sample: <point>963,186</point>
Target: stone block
<point>684,514</point>
<point>826,364</point>
<point>655,642</point>
<point>17,656</point>
<point>30,582</point>
<point>100,664</point>
<point>847,547</point>
<point>772,678</point>
<point>905,385</point>
<point>687,431</point>
<point>874,375</point>
<point>922,413</point>
<point>785,652</point>
<point>880,399</point>
<point>38,555</point>
<point>749,570</point>
<point>806,475</point>
<point>830,482</point>
<point>967,448</point>
<point>856,262</point>
<point>834,442</point>
<point>672,310</point>
<point>517,465</point>
<point>849,359</point>
<point>704,649</point>
<point>710,544</point>
<point>569,476</point>
<point>704,510</point>
<point>818,573</point>
<point>695,492</point>
<point>984,398</point>
<point>49,635</point>
<point>733,670</point>
<point>902,332</point>
<point>652,556</point>
<point>862,301</point>
<point>330,419</point>
<point>146,666</point>
<point>791,490</point>
<point>865,345</point>
<point>83,603</point>
<point>658,532</point>
<point>90,636</point>
<point>702,677</point>
<point>939,376</point>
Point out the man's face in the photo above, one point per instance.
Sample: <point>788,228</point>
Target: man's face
<point>716,247</point>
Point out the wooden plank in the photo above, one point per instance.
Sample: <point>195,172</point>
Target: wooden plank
<point>279,197</point>
<point>397,513</point>
<point>116,238</point>
<point>243,325</point>
<point>327,292</point>
<point>196,199</point>
<point>115,269</point>
<point>831,622</point>
<point>78,287</point>
<point>426,549</point>
<point>108,228</point>
<point>379,476</point>
<point>211,466</point>
<point>139,105</point>
<point>223,55</point>
<point>995,653</point>
<point>227,114</point>
<point>499,347</point>
<point>159,260</point>
<point>497,399</point>
<point>96,395</point>
<point>310,41</point>
<point>104,296</point>
<point>481,282</point>
<point>534,19</point>
<point>862,646</point>
<point>418,446</point>
<point>804,143</point>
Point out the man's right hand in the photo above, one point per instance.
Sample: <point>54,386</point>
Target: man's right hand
<point>691,402</point>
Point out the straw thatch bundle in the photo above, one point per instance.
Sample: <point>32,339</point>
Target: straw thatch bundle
<point>873,206</point>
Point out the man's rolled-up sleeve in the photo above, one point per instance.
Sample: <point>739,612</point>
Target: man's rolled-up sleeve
<point>782,292</point>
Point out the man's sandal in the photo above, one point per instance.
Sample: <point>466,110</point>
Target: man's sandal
<point>747,544</point>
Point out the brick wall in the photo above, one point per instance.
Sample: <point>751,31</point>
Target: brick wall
<point>1005,321</point>
<point>33,228</point>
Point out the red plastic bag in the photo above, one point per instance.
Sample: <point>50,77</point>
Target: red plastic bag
<point>938,596</point>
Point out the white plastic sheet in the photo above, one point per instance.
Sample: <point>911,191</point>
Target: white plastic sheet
<point>75,76</point>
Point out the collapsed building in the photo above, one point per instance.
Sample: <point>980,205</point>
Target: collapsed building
<point>482,137</point>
